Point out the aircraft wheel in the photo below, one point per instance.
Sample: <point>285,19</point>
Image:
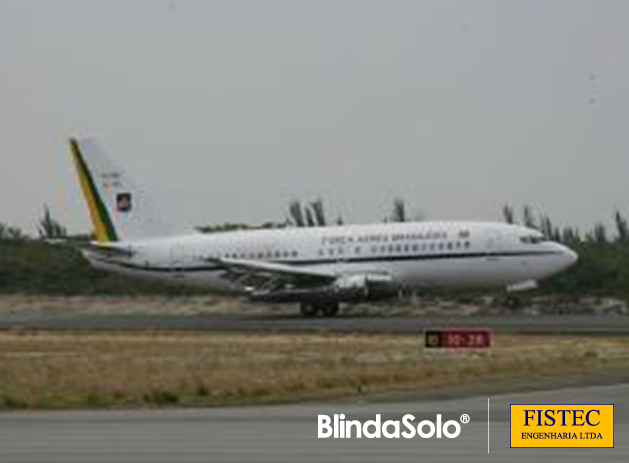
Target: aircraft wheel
<point>308,310</point>
<point>330,310</point>
<point>507,301</point>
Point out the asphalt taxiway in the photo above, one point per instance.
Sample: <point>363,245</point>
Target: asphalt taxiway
<point>568,325</point>
<point>288,433</point>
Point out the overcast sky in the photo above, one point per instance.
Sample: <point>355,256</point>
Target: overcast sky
<point>227,110</point>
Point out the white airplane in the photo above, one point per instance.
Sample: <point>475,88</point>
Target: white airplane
<point>317,267</point>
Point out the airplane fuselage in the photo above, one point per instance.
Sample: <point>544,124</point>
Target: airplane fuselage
<point>414,254</point>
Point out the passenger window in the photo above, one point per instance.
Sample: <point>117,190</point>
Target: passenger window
<point>449,244</point>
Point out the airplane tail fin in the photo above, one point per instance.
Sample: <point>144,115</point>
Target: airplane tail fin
<point>118,209</point>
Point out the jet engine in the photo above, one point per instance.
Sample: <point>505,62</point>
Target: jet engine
<point>346,288</point>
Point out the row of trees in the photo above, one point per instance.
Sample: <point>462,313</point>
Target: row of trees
<point>312,214</point>
<point>309,214</point>
<point>48,228</point>
<point>9,233</point>
<point>599,233</point>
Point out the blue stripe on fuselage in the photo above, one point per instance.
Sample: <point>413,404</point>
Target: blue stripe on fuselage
<point>351,260</point>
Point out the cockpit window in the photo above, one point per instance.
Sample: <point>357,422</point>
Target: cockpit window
<point>532,239</point>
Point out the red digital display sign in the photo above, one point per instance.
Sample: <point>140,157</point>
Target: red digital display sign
<point>458,338</point>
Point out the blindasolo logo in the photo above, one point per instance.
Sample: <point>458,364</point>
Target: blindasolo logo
<point>562,425</point>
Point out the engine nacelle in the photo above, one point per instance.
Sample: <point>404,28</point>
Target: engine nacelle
<point>347,288</point>
<point>351,282</point>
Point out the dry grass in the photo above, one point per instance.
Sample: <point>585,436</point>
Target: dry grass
<point>104,370</point>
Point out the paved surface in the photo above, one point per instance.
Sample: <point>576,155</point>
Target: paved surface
<point>575,325</point>
<point>288,433</point>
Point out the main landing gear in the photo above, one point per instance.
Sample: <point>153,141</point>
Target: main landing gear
<point>312,309</point>
<point>509,301</point>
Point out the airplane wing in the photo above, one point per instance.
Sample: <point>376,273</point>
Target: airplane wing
<point>269,275</point>
<point>103,249</point>
<point>277,282</point>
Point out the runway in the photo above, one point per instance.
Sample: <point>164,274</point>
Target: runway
<point>288,433</point>
<point>568,325</point>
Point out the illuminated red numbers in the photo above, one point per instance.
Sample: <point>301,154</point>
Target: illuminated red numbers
<point>458,338</point>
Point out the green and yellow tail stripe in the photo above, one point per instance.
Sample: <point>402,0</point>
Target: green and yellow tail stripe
<point>103,227</point>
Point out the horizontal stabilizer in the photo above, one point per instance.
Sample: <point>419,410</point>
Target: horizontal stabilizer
<point>110,250</point>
